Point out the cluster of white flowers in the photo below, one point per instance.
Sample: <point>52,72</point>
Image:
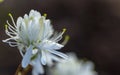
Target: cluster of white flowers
<point>73,67</point>
<point>33,35</point>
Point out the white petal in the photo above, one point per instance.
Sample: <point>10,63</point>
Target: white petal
<point>56,58</point>
<point>89,65</point>
<point>59,36</point>
<point>21,48</point>
<point>49,59</point>
<point>43,58</point>
<point>26,17</point>
<point>33,30</point>
<point>37,67</point>
<point>59,54</point>
<point>27,56</point>
<point>49,45</point>
<point>48,31</point>
<point>34,14</point>
<point>19,21</point>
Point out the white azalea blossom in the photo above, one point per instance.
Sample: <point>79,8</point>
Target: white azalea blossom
<point>73,67</point>
<point>34,36</point>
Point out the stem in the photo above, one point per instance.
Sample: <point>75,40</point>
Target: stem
<point>26,70</point>
<point>18,71</point>
<point>21,71</point>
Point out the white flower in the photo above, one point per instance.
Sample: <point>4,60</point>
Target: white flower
<point>33,35</point>
<point>73,67</point>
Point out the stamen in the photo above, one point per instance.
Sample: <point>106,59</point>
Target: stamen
<point>66,40</point>
<point>42,27</point>
<point>12,19</point>
<point>6,27</point>
<point>45,15</point>
<point>60,35</point>
<point>9,33</point>
<point>64,29</point>
<point>11,30</point>
<point>7,40</point>
<point>10,25</point>
<point>12,44</point>
<point>21,52</point>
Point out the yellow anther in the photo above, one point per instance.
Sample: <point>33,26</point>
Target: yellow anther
<point>67,37</point>
<point>12,19</point>
<point>66,40</point>
<point>6,27</point>
<point>10,14</point>
<point>64,30</point>
<point>45,15</point>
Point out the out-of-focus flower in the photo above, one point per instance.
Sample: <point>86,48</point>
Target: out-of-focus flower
<point>73,67</point>
<point>1,1</point>
<point>33,35</point>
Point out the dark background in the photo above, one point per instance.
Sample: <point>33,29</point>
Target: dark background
<point>93,26</point>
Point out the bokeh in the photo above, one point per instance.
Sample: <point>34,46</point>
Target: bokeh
<point>93,27</point>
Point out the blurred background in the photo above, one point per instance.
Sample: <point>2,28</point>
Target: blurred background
<point>93,27</point>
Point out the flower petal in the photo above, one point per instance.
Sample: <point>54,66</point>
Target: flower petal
<point>34,14</point>
<point>27,57</point>
<point>37,67</point>
<point>48,30</point>
<point>19,22</point>
<point>59,54</point>
<point>43,58</point>
<point>49,45</point>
